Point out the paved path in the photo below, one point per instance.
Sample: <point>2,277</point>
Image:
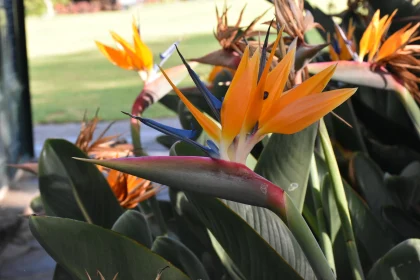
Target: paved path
<point>23,258</point>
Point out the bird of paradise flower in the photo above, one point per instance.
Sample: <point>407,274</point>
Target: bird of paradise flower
<point>255,105</point>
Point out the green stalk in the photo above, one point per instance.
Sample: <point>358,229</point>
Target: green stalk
<point>411,106</point>
<point>323,235</point>
<point>138,152</point>
<point>341,201</point>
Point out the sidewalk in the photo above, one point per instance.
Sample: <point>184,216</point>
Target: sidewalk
<point>23,258</point>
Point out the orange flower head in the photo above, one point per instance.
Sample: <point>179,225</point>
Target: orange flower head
<point>130,190</point>
<point>394,53</point>
<point>136,56</point>
<point>256,104</point>
<point>342,46</point>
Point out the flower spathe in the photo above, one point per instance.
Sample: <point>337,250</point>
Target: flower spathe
<point>137,56</point>
<point>255,104</point>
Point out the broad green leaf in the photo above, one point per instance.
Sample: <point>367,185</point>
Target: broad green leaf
<point>74,189</point>
<point>234,182</point>
<point>80,247</point>
<point>350,137</point>
<point>135,226</point>
<point>401,262</point>
<point>369,179</point>
<point>228,221</point>
<point>61,274</point>
<point>180,256</point>
<point>36,204</point>
<point>372,241</point>
<point>248,245</point>
<point>401,222</point>
<point>284,161</point>
<point>198,239</point>
<point>406,187</point>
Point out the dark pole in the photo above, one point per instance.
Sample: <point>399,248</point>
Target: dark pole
<point>21,63</point>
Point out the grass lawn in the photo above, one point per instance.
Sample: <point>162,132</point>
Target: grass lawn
<point>64,86</point>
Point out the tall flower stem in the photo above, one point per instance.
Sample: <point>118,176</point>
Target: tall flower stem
<point>323,235</point>
<point>341,201</point>
<point>411,106</point>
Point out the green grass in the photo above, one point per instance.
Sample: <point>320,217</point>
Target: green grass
<point>64,86</point>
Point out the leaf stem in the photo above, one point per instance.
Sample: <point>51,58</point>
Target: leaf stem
<point>341,200</point>
<point>323,235</point>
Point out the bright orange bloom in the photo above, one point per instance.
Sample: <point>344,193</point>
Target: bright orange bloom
<point>137,57</point>
<point>254,107</point>
<point>130,190</point>
<point>394,53</point>
<point>342,46</point>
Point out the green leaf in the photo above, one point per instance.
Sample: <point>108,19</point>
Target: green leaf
<point>369,179</point>
<point>135,226</point>
<point>74,189</point>
<point>401,262</point>
<point>254,238</point>
<point>284,161</point>
<point>180,256</point>
<point>372,241</point>
<point>80,247</point>
<point>61,274</point>
<point>406,187</point>
<point>234,182</point>
<point>233,224</point>
<point>36,204</point>
<point>401,222</point>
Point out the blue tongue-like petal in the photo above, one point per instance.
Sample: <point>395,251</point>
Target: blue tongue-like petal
<point>214,103</point>
<point>181,134</point>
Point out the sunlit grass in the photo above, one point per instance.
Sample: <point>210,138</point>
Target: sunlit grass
<point>64,86</point>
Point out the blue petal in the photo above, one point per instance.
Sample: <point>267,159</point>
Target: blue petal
<point>335,46</point>
<point>181,134</point>
<point>167,53</point>
<point>213,146</point>
<point>214,103</point>
<point>263,60</point>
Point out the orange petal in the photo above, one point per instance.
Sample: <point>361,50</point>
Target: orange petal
<point>276,82</point>
<point>136,61</point>
<point>305,111</point>
<point>396,41</point>
<point>368,36</point>
<point>117,57</point>
<point>236,99</point>
<point>377,39</point>
<point>141,49</point>
<point>206,123</point>
<point>333,54</point>
<point>313,85</point>
<point>255,105</point>
<point>344,51</point>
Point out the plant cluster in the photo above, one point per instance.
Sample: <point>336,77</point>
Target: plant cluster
<point>261,181</point>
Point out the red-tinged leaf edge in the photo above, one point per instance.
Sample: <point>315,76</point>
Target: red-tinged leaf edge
<point>214,177</point>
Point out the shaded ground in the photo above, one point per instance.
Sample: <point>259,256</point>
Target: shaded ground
<point>21,257</point>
